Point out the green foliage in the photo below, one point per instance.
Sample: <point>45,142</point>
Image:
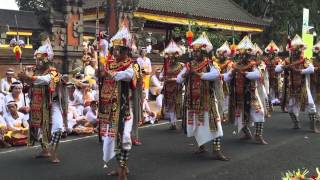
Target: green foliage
<point>283,12</point>
<point>216,37</point>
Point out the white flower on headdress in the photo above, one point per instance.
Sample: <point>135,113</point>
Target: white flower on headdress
<point>272,48</point>
<point>224,49</point>
<point>202,42</point>
<point>173,48</point>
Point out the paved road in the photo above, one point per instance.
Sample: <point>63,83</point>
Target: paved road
<point>168,155</point>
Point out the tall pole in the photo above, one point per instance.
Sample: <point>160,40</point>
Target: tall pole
<point>99,64</point>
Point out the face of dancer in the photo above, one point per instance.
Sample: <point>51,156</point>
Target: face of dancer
<point>120,53</point>
<point>198,55</point>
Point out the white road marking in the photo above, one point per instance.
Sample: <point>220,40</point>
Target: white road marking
<point>75,139</point>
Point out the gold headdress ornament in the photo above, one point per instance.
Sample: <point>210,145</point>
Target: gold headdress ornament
<point>203,43</point>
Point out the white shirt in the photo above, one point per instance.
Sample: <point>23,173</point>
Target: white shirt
<point>5,85</point>
<point>92,118</point>
<point>79,97</point>
<point>19,103</point>
<point>2,122</point>
<point>14,123</point>
<point>145,64</point>
<point>156,82</point>
<point>2,104</point>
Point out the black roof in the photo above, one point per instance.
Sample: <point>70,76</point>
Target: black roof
<point>89,4</point>
<point>26,19</point>
<point>225,10</point>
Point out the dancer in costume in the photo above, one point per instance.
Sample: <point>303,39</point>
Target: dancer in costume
<point>244,93</point>
<point>120,78</point>
<point>225,63</point>
<point>273,87</point>
<point>202,114</point>
<point>172,102</point>
<point>264,80</point>
<point>48,102</point>
<point>315,88</point>
<point>299,95</point>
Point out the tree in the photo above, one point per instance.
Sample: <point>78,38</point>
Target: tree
<point>33,5</point>
<point>283,12</point>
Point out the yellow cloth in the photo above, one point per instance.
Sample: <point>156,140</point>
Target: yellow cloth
<point>146,81</point>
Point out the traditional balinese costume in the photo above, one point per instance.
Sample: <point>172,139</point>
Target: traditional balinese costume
<point>264,80</point>
<point>315,88</point>
<point>202,114</point>
<point>172,91</point>
<point>299,95</point>
<point>273,87</point>
<point>244,94</point>
<point>48,100</point>
<point>224,63</point>
<point>114,111</point>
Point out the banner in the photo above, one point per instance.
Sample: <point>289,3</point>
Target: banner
<point>306,36</point>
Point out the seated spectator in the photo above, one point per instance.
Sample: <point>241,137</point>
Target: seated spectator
<point>148,115</point>
<point>17,96</point>
<point>3,132</point>
<point>92,113</point>
<point>156,84</point>
<point>85,97</point>
<point>17,124</point>
<point>74,119</point>
<point>6,82</point>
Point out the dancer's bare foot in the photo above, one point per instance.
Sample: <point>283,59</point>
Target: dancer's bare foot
<point>217,155</point>
<point>116,173</point>
<point>44,154</point>
<point>123,173</point>
<point>201,150</point>
<point>261,140</point>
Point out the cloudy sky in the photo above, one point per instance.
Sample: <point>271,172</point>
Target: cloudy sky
<point>8,4</point>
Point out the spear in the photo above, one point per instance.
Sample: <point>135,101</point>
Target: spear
<point>99,66</point>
